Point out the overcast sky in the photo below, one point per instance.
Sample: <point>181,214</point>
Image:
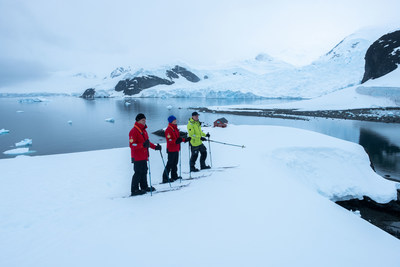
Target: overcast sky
<point>40,36</point>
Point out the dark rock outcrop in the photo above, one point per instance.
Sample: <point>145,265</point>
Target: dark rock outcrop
<point>137,84</point>
<point>190,76</point>
<point>382,56</point>
<point>172,75</point>
<point>89,93</point>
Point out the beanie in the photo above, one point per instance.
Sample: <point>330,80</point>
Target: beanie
<point>171,118</point>
<point>140,116</point>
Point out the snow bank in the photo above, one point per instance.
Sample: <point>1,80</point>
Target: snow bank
<point>68,210</point>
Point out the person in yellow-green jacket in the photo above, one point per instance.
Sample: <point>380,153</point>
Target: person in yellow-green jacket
<point>196,144</point>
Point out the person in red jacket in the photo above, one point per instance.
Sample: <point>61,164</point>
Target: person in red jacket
<point>139,144</point>
<point>173,146</point>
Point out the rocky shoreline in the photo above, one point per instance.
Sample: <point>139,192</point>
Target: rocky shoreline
<point>387,115</point>
<point>385,216</point>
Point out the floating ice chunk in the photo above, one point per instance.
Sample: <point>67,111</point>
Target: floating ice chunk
<point>110,120</point>
<point>127,103</point>
<point>25,142</point>
<point>4,131</point>
<point>18,151</point>
<point>32,100</point>
<point>20,111</point>
<point>169,107</point>
<point>69,122</point>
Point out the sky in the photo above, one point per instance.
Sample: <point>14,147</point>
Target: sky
<point>44,36</point>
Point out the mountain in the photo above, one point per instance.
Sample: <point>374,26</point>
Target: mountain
<point>261,77</point>
<point>383,56</point>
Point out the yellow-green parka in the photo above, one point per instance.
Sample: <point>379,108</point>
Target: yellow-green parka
<point>195,132</point>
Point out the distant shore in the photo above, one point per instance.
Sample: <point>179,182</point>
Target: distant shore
<point>387,115</point>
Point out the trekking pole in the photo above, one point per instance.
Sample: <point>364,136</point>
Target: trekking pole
<point>180,166</point>
<point>209,148</point>
<point>165,169</point>
<point>190,169</point>
<point>226,144</point>
<point>151,188</point>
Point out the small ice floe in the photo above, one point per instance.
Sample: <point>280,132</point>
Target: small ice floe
<point>4,131</point>
<point>110,120</point>
<point>19,151</point>
<point>70,122</point>
<point>20,111</point>
<point>169,107</point>
<point>25,142</point>
<point>127,103</point>
<point>32,100</point>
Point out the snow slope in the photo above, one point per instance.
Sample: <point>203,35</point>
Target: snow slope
<point>271,210</point>
<point>381,92</point>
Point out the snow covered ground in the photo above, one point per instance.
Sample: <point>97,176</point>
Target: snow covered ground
<point>273,209</point>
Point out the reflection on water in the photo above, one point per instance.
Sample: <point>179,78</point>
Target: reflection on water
<point>69,124</point>
<point>384,155</point>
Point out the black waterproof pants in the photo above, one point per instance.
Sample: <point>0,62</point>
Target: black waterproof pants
<point>172,166</point>
<point>195,153</point>
<point>140,175</point>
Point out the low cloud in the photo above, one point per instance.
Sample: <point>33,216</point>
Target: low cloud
<point>13,71</point>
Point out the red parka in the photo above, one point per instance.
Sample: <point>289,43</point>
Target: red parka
<point>171,134</point>
<point>137,136</point>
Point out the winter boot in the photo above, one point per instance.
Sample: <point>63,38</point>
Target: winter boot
<point>138,192</point>
<point>150,189</point>
<point>205,167</point>
<point>194,169</point>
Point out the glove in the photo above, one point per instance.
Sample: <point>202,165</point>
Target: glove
<point>158,147</point>
<point>203,139</point>
<point>207,135</point>
<point>179,140</point>
<point>188,139</point>
<point>146,143</point>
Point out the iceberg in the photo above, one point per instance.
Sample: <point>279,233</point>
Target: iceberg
<point>25,142</point>
<point>19,151</point>
<point>4,131</point>
<point>110,120</point>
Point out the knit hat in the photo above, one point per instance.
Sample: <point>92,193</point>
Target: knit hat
<point>195,113</point>
<point>140,116</point>
<point>171,118</point>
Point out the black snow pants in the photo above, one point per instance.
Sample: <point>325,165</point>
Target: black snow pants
<point>195,153</point>
<point>140,175</point>
<point>172,166</point>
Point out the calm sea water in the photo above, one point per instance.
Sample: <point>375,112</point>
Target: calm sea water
<point>47,124</point>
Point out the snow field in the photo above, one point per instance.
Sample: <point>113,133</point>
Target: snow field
<point>271,210</point>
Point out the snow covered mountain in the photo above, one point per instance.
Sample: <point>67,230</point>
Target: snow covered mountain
<point>263,76</point>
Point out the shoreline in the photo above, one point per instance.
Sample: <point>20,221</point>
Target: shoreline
<point>386,115</point>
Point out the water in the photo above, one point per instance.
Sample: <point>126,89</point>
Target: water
<point>46,123</point>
